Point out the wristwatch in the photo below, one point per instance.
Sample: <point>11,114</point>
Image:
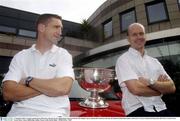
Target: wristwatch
<point>28,80</point>
<point>151,82</point>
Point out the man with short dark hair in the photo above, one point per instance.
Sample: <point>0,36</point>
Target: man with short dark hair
<point>40,78</point>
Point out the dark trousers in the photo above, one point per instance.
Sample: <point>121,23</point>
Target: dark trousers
<point>140,112</point>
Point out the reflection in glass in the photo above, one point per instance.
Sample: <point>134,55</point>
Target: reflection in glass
<point>156,12</point>
<point>127,19</point>
<point>108,29</point>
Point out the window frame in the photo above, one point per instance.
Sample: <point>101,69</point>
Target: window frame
<point>154,3</point>
<point>123,13</point>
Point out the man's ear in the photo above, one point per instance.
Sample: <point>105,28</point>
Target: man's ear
<point>41,27</point>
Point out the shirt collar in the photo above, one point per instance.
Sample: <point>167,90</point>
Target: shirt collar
<point>135,52</point>
<point>53,49</point>
<point>33,48</point>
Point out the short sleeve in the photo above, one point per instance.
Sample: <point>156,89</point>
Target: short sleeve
<point>124,71</point>
<point>15,70</point>
<point>161,69</point>
<point>65,66</point>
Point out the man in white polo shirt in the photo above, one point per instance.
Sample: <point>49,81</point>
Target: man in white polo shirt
<point>142,78</point>
<point>40,78</point>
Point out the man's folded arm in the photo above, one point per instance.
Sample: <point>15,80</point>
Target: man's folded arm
<point>13,91</point>
<point>52,87</point>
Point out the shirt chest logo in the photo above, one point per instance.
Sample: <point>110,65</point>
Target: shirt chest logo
<point>52,65</point>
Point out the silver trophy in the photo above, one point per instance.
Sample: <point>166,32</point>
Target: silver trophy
<point>94,80</point>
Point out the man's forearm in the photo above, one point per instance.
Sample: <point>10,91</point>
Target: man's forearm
<point>52,87</point>
<point>147,91</point>
<point>140,88</point>
<point>164,86</point>
<point>13,91</point>
<point>144,88</point>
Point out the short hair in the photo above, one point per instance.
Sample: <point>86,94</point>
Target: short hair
<point>129,27</point>
<point>44,18</point>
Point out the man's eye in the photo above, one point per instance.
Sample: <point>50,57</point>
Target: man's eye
<point>134,35</point>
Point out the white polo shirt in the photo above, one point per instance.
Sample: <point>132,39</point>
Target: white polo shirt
<point>131,65</point>
<point>56,62</point>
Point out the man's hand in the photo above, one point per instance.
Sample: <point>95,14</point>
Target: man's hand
<point>23,81</point>
<point>163,78</point>
<point>145,81</point>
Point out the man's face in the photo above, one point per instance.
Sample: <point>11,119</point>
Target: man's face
<point>53,30</point>
<point>137,37</point>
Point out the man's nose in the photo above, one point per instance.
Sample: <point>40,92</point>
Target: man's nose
<point>139,36</point>
<point>59,32</point>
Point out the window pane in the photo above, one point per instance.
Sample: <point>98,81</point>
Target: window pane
<point>108,29</point>
<point>27,33</point>
<point>7,29</point>
<point>127,19</point>
<point>156,12</point>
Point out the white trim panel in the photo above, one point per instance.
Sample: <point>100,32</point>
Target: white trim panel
<point>124,42</point>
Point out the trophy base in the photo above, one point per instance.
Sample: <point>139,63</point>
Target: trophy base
<point>95,103</point>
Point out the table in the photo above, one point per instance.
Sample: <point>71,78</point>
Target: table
<point>114,110</point>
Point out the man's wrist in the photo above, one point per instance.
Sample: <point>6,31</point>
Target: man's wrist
<point>28,80</point>
<point>151,82</point>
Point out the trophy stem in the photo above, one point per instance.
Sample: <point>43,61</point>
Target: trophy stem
<point>94,94</point>
<point>94,101</point>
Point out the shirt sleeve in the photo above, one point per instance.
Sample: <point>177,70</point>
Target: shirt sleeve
<point>162,70</point>
<point>124,71</point>
<point>65,68</point>
<point>15,70</point>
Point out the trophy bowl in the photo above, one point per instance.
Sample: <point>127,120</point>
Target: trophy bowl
<point>94,80</point>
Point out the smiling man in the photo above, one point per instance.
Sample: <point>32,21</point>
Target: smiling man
<point>142,78</point>
<point>40,78</point>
